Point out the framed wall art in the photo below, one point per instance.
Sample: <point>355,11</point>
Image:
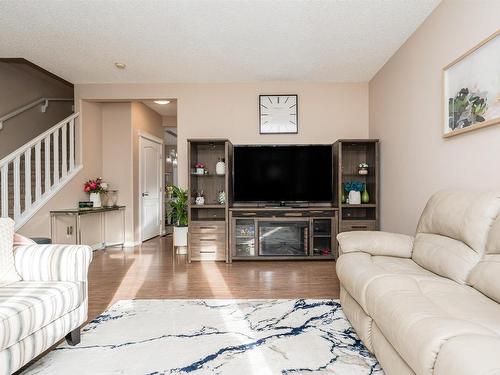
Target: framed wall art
<point>471,89</point>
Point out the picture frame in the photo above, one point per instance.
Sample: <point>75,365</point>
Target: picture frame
<point>471,89</point>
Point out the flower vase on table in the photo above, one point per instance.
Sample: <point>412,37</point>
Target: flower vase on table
<point>95,188</point>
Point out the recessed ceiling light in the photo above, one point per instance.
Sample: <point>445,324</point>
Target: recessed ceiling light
<point>162,102</point>
<point>120,65</point>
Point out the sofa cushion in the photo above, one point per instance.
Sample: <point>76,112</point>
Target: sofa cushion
<point>8,272</point>
<point>357,270</point>
<point>453,230</point>
<point>444,256</point>
<point>465,216</point>
<point>27,306</point>
<point>418,316</point>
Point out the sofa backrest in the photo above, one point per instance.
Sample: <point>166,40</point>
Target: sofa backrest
<point>453,232</point>
<point>485,276</point>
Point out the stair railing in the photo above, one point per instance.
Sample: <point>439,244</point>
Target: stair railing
<point>20,196</point>
<point>44,105</point>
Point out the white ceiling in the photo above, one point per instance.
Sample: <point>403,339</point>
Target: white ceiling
<point>209,40</point>
<point>169,109</point>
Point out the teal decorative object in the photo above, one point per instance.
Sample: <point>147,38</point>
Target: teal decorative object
<point>365,197</point>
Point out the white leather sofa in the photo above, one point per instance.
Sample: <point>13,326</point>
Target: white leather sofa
<point>429,304</point>
<point>49,303</point>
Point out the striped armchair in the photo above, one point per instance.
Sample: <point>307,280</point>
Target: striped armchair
<point>49,303</point>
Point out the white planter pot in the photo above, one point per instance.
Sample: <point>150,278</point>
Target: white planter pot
<point>95,198</point>
<point>220,168</point>
<point>180,236</point>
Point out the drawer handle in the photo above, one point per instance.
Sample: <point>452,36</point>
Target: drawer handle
<point>359,226</point>
<point>209,227</point>
<point>207,251</point>
<point>208,239</point>
<point>249,214</point>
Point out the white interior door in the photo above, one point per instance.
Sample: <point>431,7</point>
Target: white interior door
<point>150,188</point>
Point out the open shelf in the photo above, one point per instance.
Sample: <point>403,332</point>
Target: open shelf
<point>207,206</point>
<point>362,205</point>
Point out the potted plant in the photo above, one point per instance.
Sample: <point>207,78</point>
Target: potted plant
<point>95,188</point>
<point>200,168</point>
<point>179,214</point>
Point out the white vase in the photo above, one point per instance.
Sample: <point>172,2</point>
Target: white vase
<point>199,201</point>
<point>354,197</point>
<point>180,236</point>
<point>95,198</point>
<point>220,168</point>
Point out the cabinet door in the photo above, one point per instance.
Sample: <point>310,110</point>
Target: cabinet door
<point>64,230</point>
<point>244,238</point>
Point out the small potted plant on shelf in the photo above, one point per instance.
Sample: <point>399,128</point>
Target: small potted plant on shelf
<point>199,168</point>
<point>363,169</point>
<point>179,214</point>
<point>95,188</point>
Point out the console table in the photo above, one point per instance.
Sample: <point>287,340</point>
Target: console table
<point>88,226</point>
<point>283,233</point>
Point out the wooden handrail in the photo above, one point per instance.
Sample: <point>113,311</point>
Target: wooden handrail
<point>24,108</point>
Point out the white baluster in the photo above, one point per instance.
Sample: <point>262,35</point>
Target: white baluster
<point>56,156</point>
<point>38,171</point>
<point>17,187</point>
<point>64,150</point>
<point>4,172</point>
<point>72,144</point>
<point>27,179</point>
<point>47,162</point>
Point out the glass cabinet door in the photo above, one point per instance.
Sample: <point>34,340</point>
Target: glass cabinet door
<point>322,237</point>
<point>283,238</point>
<point>244,238</point>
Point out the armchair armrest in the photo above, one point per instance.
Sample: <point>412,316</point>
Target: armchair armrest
<point>376,243</point>
<point>53,262</point>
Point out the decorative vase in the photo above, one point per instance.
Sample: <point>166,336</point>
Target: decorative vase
<point>200,201</point>
<point>343,198</point>
<point>220,167</point>
<point>221,197</point>
<point>95,198</point>
<point>363,171</point>
<point>354,197</point>
<point>365,197</point>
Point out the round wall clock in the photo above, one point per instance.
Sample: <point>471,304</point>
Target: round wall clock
<point>278,114</point>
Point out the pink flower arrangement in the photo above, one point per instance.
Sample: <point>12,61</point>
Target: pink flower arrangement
<point>93,186</point>
<point>199,165</point>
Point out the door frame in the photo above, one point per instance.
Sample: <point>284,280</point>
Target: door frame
<point>159,141</point>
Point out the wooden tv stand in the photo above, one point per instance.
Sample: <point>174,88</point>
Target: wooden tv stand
<point>271,233</point>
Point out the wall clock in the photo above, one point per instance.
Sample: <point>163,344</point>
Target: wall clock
<point>278,114</point>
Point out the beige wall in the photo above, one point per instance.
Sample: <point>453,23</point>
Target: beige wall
<point>117,157</point>
<point>169,121</point>
<point>20,85</point>
<point>144,120</point>
<point>326,111</point>
<point>405,113</point>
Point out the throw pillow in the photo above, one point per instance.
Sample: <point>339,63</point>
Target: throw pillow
<point>8,272</point>
<point>21,240</point>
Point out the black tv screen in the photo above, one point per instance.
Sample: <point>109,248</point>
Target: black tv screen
<point>282,173</point>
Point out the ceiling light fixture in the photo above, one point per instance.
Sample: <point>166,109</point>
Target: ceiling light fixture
<point>120,65</point>
<point>162,102</point>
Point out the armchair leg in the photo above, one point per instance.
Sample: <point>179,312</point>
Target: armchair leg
<point>73,338</point>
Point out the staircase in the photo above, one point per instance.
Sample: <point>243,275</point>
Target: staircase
<point>31,175</point>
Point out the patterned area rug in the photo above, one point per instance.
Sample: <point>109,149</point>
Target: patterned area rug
<point>215,337</point>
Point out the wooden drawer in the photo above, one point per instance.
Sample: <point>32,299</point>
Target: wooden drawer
<point>207,227</point>
<point>207,246</point>
<point>353,225</point>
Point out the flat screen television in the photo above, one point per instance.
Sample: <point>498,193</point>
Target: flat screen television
<point>269,174</point>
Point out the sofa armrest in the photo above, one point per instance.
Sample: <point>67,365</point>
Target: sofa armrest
<point>376,243</point>
<point>53,262</point>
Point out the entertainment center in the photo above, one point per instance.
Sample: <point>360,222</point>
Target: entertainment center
<point>278,201</point>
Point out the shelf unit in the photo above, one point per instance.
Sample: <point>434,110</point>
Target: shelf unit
<point>208,223</point>
<point>349,153</point>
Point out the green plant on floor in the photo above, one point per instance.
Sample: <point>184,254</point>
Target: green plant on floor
<point>178,206</point>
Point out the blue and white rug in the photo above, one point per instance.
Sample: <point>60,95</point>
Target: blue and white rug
<point>215,337</point>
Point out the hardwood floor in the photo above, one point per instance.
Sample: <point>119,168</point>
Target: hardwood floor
<point>152,271</point>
